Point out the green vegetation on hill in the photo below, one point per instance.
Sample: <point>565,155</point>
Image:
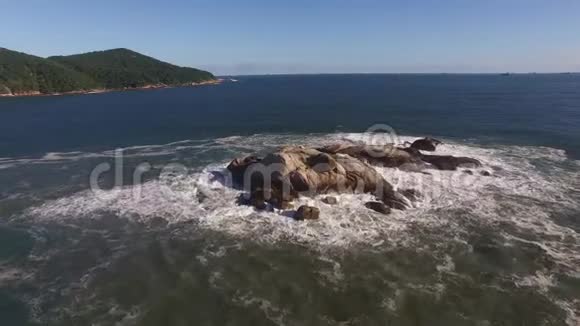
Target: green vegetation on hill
<point>120,68</point>
<point>113,69</point>
<point>23,73</point>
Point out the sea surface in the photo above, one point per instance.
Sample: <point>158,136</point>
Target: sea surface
<point>113,210</point>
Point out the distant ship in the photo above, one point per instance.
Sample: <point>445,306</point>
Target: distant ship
<point>505,74</point>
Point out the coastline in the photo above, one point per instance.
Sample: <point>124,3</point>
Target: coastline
<point>108,90</point>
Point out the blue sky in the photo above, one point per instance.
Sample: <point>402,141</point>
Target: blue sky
<point>299,36</point>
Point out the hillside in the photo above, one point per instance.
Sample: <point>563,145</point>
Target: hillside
<point>121,68</point>
<point>23,74</point>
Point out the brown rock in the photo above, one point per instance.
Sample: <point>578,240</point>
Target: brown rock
<point>239,166</point>
<point>297,170</point>
<point>410,159</point>
<point>307,213</point>
<point>292,171</point>
<point>384,155</point>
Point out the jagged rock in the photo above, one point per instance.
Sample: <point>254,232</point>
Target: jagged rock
<point>260,198</point>
<point>385,155</point>
<point>330,200</point>
<point>403,158</point>
<point>292,171</point>
<point>378,207</point>
<point>239,166</point>
<point>322,163</point>
<point>307,213</point>
<point>426,144</point>
<point>448,162</point>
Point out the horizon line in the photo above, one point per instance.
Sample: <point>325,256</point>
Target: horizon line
<point>505,73</point>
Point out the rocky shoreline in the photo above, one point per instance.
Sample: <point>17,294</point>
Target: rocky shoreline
<point>275,180</point>
<point>99,91</point>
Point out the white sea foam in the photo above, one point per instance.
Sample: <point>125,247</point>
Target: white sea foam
<point>518,192</point>
<point>246,144</point>
<point>540,280</point>
<point>10,275</point>
<point>271,311</point>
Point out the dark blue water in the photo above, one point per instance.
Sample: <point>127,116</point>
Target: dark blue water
<point>519,109</point>
<point>175,248</point>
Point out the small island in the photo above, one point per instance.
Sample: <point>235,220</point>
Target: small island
<point>118,69</point>
<point>276,180</point>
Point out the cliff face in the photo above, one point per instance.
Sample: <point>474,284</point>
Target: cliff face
<point>23,74</point>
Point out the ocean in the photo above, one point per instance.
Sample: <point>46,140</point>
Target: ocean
<point>112,211</point>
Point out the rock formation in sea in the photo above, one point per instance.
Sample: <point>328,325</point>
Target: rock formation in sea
<point>426,144</point>
<point>294,171</point>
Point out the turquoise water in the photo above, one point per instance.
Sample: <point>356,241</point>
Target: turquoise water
<point>174,248</point>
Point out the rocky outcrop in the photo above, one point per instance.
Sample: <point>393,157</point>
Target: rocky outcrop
<point>307,213</point>
<point>291,172</point>
<point>403,158</point>
<point>239,166</point>
<point>387,155</point>
<point>426,144</point>
<point>448,162</point>
<point>282,176</point>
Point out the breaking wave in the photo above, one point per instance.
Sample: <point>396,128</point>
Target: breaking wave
<point>517,185</point>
